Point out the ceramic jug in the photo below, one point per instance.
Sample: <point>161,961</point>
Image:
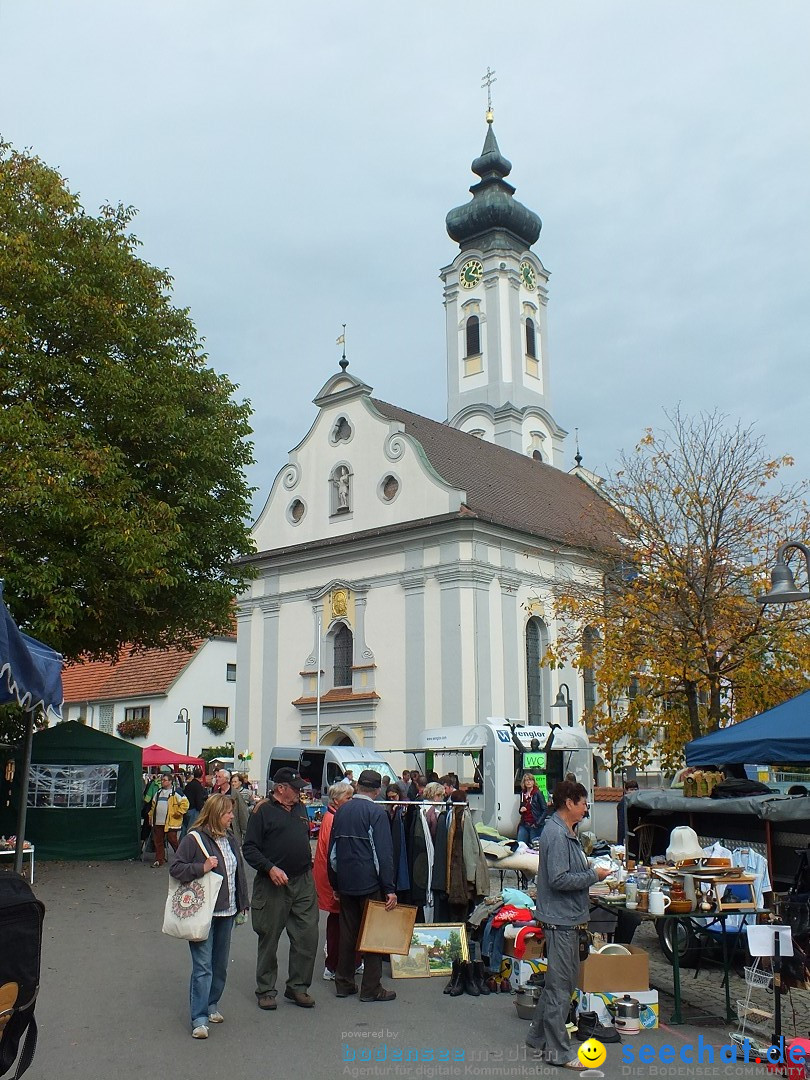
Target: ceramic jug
<point>659,902</point>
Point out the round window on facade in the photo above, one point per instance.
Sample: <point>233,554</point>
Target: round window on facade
<point>296,511</point>
<point>389,488</point>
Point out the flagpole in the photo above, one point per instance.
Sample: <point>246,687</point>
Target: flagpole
<point>318,698</point>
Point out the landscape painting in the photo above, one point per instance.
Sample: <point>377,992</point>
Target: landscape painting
<point>445,942</point>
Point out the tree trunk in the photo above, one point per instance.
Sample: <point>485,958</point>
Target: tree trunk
<point>694,712</point>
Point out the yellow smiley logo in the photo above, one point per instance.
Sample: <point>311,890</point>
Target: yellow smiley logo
<point>592,1054</point>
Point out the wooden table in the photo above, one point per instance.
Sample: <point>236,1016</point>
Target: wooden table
<point>711,916</point>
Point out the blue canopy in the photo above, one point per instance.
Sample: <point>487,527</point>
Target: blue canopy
<point>779,734</point>
<point>30,672</point>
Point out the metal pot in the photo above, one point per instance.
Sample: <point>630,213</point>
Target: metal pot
<point>628,1013</point>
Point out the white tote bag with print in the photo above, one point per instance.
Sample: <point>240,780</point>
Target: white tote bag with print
<point>190,907</point>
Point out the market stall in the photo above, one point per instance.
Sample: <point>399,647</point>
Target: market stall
<point>83,795</point>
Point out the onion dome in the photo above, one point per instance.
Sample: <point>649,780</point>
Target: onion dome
<point>493,216</point>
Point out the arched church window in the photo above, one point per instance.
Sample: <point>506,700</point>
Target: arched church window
<point>473,336</point>
<point>531,339</point>
<point>343,656</point>
<point>535,647</point>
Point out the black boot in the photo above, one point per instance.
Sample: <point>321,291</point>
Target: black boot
<point>449,986</point>
<point>480,977</point>
<point>590,1027</point>
<point>457,980</point>
<point>470,985</point>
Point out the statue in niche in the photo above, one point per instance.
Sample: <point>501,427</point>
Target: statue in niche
<point>341,481</point>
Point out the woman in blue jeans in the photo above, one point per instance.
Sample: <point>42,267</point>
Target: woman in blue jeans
<point>532,810</point>
<point>209,958</point>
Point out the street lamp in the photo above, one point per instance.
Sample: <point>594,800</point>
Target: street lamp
<point>564,701</point>
<point>184,718</point>
<point>783,585</point>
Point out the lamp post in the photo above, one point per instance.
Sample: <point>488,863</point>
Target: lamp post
<point>783,585</point>
<point>184,718</point>
<point>563,701</point>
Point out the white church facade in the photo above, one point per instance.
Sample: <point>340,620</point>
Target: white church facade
<point>412,562</point>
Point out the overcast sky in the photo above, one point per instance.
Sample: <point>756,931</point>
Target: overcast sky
<point>292,165</point>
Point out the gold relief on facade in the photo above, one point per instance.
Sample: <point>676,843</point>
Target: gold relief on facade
<point>340,604</point>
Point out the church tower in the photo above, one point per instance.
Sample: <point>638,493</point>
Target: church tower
<point>495,296</point>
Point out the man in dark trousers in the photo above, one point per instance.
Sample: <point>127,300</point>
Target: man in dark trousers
<point>361,868</point>
<point>277,847</point>
<point>196,795</point>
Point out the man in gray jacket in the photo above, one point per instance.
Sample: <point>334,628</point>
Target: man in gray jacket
<point>563,879</point>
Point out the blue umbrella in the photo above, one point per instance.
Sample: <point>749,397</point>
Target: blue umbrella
<point>31,676</point>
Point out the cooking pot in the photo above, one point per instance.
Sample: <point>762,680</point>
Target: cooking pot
<point>628,1012</point>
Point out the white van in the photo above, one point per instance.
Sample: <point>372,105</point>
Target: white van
<point>490,766</point>
<point>325,765</point>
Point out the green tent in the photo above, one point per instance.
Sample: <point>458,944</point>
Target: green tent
<point>84,794</point>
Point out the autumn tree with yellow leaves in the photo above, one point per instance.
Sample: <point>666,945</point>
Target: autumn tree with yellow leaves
<point>668,630</point>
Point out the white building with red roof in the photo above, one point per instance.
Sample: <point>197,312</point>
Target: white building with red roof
<point>141,695</point>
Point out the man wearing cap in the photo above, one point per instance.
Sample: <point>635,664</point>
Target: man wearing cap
<point>361,868</point>
<point>284,898</point>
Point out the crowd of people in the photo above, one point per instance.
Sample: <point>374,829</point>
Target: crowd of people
<point>220,825</point>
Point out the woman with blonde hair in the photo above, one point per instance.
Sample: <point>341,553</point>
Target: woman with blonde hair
<point>209,958</point>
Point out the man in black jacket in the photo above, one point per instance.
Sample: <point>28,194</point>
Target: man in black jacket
<point>361,868</point>
<point>277,847</point>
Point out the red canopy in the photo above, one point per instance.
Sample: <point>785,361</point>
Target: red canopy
<point>159,755</point>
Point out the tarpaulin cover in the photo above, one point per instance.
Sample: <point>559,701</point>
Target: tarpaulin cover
<point>780,734</point>
<point>158,755</point>
<point>110,831</point>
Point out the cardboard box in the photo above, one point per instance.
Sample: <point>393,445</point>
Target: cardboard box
<point>518,972</point>
<point>535,949</point>
<point>601,972</point>
<point>647,999</point>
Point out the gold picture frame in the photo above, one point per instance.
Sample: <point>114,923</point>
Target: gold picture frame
<point>386,932</point>
<point>414,965</point>
<point>445,942</point>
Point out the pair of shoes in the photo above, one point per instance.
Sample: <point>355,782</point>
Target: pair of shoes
<point>328,975</point>
<point>456,985</point>
<point>200,1032</point>
<point>575,1063</point>
<point>534,1040</point>
<point>381,995</point>
<point>267,1001</point>
<point>155,864</point>
<point>216,1017</point>
<point>346,992</point>
<point>299,997</point>
<point>590,1027</point>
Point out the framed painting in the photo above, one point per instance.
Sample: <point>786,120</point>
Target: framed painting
<point>386,932</point>
<point>412,966</point>
<point>444,943</point>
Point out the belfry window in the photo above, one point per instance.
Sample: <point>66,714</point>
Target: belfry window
<point>531,339</point>
<point>473,336</point>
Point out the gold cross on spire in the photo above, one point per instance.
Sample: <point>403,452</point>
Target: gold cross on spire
<point>489,79</point>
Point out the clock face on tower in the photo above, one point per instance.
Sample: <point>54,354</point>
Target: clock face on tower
<point>471,274</point>
<point>527,276</point>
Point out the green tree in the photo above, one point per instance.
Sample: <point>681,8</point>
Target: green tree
<point>676,643</point>
<point>122,453</point>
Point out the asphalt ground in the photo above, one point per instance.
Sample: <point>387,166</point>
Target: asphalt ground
<point>114,1003</point>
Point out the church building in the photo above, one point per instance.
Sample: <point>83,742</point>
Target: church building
<point>411,562</point>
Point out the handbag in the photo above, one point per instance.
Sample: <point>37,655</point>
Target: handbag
<point>190,907</point>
